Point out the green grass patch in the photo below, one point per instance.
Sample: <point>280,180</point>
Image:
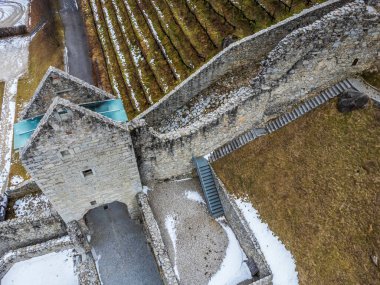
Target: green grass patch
<point>316,183</point>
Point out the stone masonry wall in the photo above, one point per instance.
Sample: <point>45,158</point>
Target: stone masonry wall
<point>241,229</point>
<point>248,51</point>
<point>63,147</point>
<point>306,61</point>
<point>57,83</point>
<point>24,253</point>
<point>154,238</point>
<point>22,232</point>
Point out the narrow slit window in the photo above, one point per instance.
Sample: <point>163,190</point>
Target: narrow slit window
<point>355,62</point>
<point>65,153</point>
<point>87,173</point>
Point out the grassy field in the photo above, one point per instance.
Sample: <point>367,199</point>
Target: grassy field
<point>46,49</point>
<point>316,182</point>
<point>142,49</point>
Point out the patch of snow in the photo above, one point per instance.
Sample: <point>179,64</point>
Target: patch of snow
<point>234,268</point>
<point>8,111</point>
<point>16,180</point>
<point>170,227</point>
<point>207,156</point>
<point>13,13</point>
<point>55,268</point>
<point>280,260</point>
<point>146,189</point>
<point>195,196</point>
<point>32,205</point>
<point>183,179</point>
<point>14,57</point>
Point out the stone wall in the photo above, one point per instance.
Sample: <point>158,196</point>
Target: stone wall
<point>155,240</point>
<point>22,232</point>
<point>81,160</point>
<point>306,61</point>
<point>24,188</point>
<point>13,31</point>
<point>57,83</point>
<point>248,51</point>
<point>20,254</point>
<point>241,229</point>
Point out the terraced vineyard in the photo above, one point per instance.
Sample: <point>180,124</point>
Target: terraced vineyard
<point>141,49</point>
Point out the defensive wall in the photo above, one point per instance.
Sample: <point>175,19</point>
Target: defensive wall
<point>339,45</point>
<point>252,49</point>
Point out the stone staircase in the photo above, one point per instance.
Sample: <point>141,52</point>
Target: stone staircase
<point>208,186</point>
<point>282,120</point>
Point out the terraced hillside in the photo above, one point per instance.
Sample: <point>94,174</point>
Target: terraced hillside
<point>141,49</point>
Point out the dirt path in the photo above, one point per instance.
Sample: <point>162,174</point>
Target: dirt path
<point>78,58</point>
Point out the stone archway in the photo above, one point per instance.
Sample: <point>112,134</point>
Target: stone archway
<point>120,247</point>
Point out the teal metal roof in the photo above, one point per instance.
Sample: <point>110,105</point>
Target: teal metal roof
<point>113,109</point>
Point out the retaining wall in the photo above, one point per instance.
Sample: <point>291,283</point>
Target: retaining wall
<point>14,256</point>
<point>154,238</point>
<point>242,231</point>
<point>24,188</point>
<point>308,60</point>
<point>248,51</point>
<point>23,232</point>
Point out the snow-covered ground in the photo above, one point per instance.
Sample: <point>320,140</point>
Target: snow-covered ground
<point>13,57</point>
<point>8,111</point>
<point>195,196</point>
<point>234,269</point>
<point>55,268</point>
<point>32,205</point>
<point>170,225</point>
<point>13,64</point>
<point>14,13</point>
<point>280,260</point>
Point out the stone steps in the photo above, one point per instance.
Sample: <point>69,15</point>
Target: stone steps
<point>283,120</point>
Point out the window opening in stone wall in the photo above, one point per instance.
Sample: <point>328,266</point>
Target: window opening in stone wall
<point>87,172</point>
<point>65,153</point>
<point>93,203</point>
<point>355,62</point>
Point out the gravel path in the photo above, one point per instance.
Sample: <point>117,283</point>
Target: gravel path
<point>200,241</point>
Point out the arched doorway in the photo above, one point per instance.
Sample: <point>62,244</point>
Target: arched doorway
<point>120,247</point>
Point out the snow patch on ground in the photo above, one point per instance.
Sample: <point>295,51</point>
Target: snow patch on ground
<point>146,189</point>
<point>13,13</point>
<point>16,180</point>
<point>234,268</point>
<point>14,57</point>
<point>32,205</point>
<point>8,111</point>
<point>195,196</point>
<point>280,260</point>
<point>55,268</point>
<point>97,258</point>
<point>170,226</point>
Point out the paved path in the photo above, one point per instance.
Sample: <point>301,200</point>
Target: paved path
<point>78,60</point>
<point>125,257</point>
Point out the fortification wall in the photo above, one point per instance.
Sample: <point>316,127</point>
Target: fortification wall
<point>22,232</point>
<point>248,51</point>
<point>307,60</point>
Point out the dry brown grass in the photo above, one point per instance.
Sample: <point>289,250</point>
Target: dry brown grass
<point>372,77</point>
<point>316,182</point>
<point>46,49</point>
